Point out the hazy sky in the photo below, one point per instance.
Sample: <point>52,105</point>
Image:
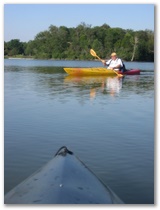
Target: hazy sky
<point>25,21</point>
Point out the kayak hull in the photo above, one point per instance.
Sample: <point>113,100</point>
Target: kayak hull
<point>64,180</point>
<point>131,72</point>
<point>93,71</point>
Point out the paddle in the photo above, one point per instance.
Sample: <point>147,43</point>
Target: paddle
<point>93,53</point>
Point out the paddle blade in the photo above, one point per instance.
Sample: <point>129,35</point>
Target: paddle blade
<point>120,75</point>
<point>93,53</point>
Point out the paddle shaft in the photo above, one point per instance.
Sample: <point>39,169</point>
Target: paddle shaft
<point>99,58</point>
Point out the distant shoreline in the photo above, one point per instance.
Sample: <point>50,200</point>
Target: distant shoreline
<point>56,59</point>
<point>52,59</point>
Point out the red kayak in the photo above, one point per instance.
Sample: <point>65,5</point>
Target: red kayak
<point>130,72</point>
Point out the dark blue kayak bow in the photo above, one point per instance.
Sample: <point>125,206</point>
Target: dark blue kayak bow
<point>63,180</point>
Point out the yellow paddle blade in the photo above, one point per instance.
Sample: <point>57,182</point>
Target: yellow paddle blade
<point>93,53</point>
<point>120,75</point>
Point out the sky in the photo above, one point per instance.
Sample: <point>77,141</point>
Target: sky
<point>25,21</point>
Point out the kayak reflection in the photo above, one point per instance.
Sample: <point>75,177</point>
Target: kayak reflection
<point>106,85</point>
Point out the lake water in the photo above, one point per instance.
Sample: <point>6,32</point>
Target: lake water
<point>107,122</point>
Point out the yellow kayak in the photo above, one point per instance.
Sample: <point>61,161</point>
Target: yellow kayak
<point>90,71</point>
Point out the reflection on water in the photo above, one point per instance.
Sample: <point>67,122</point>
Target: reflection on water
<point>104,84</point>
<point>113,85</point>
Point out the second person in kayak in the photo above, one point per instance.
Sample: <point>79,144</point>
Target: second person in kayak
<point>114,63</point>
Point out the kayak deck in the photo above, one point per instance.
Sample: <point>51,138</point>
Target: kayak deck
<point>93,71</point>
<point>64,180</point>
<point>90,71</point>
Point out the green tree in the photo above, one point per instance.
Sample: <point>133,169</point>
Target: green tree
<point>15,47</point>
<point>75,43</point>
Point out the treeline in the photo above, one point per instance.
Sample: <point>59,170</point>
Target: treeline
<point>75,43</point>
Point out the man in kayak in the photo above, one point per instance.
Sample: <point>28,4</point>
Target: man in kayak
<point>114,63</point>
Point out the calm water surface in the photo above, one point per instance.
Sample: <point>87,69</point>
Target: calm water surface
<point>107,122</point>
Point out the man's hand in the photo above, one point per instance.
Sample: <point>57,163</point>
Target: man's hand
<point>104,62</point>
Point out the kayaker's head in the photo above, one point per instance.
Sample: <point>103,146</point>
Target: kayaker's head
<point>113,56</point>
